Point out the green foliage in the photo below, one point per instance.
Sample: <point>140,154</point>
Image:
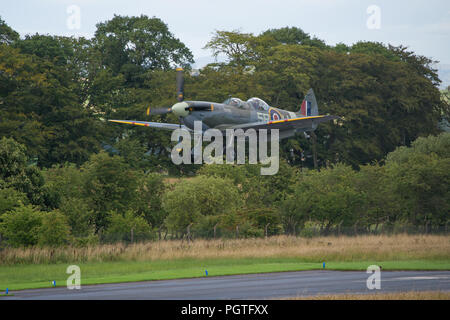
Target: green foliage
<point>382,102</point>
<point>235,45</point>
<point>80,217</point>
<point>12,158</point>
<point>66,180</point>
<point>11,198</point>
<point>438,145</point>
<point>148,203</point>
<point>110,184</point>
<point>420,177</point>
<point>257,190</point>
<point>200,196</point>
<point>21,226</point>
<point>130,45</point>
<point>132,152</point>
<point>286,72</point>
<point>381,205</point>
<point>260,218</point>
<point>123,226</point>
<point>54,230</point>
<point>294,35</point>
<point>204,227</point>
<point>373,48</point>
<point>328,197</point>
<point>41,108</point>
<point>7,34</point>
<point>15,173</point>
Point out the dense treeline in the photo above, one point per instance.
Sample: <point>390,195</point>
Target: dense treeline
<point>106,199</point>
<point>68,175</point>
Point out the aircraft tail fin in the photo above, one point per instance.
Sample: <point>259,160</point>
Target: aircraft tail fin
<point>309,105</point>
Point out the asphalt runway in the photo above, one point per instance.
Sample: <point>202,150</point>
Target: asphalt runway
<point>253,286</point>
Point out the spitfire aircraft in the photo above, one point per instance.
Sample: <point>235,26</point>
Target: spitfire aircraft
<point>234,113</point>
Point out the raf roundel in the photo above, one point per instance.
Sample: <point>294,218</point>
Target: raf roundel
<point>274,114</point>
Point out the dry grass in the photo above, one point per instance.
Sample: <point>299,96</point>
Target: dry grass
<point>411,295</point>
<point>360,248</point>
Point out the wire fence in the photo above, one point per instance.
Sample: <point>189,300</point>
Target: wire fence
<point>244,232</point>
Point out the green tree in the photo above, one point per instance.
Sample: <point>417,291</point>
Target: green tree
<point>131,45</point>
<point>7,34</point>
<point>110,185</point>
<point>67,180</point>
<point>20,226</point>
<point>132,151</point>
<point>381,206</point>
<point>54,230</point>
<point>124,226</point>
<point>328,197</point>
<point>11,198</point>
<point>193,198</point>
<point>148,203</point>
<point>294,35</point>
<point>379,101</point>
<point>419,176</point>
<point>80,217</point>
<point>236,46</point>
<point>16,173</point>
<point>41,107</point>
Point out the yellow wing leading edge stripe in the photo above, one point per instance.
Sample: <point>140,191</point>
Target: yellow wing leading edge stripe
<point>130,122</point>
<point>295,119</point>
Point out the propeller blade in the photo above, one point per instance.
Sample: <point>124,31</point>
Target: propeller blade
<point>180,85</point>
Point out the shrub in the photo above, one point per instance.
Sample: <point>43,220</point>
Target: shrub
<point>54,230</point>
<point>21,226</point>
<point>120,227</point>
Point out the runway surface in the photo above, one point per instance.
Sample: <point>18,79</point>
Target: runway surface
<point>253,286</point>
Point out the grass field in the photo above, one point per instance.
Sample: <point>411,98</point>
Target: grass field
<point>41,275</point>
<point>38,267</point>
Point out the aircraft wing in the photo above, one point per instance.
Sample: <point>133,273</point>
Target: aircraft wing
<point>159,125</point>
<point>287,124</point>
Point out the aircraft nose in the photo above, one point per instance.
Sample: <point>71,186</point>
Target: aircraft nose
<point>180,109</point>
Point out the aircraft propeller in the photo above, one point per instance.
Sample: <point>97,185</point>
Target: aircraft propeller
<point>180,109</point>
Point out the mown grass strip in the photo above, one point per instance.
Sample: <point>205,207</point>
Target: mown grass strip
<point>41,275</point>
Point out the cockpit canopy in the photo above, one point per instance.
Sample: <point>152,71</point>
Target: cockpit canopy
<point>258,104</point>
<point>255,103</point>
<point>236,102</point>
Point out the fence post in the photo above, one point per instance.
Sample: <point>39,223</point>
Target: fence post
<point>132,235</point>
<point>265,230</point>
<point>215,229</point>
<point>237,231</point>
<point>189,233</point>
